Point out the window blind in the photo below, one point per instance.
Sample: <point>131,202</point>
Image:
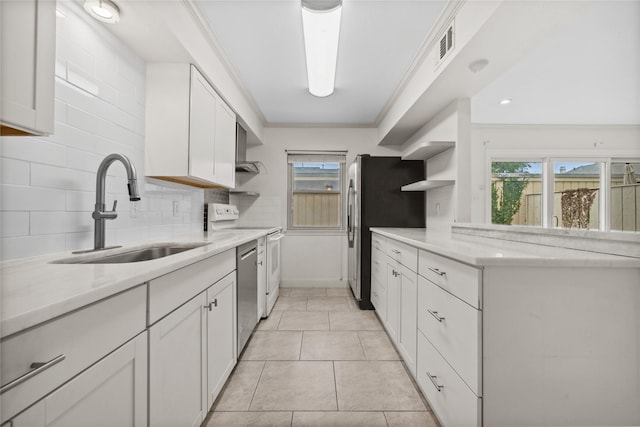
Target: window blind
<point>316,156</point>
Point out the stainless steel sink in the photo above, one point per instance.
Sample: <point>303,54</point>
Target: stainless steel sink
<point>147,253</point>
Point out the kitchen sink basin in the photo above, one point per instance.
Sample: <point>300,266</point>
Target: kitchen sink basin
<point>147,253</point>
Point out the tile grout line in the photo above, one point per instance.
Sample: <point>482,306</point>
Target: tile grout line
<point>253,395</point>
<point>335,384</point>
<point>364,351</point>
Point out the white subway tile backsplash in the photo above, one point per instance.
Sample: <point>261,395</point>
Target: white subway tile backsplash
<point>48,183</point>
<point>82,79</point>
<point>80,200</point>
<point>14,224</point>
<point>82,160</point>
<point>74,96</point>
<point>60,222</point>
<point>80,119</point>
<point>23,198</point>
<point>15,172</point>
<point>62,178</point>
<point>70,136</point>
<point>30,246</point>
<point>32,150</point>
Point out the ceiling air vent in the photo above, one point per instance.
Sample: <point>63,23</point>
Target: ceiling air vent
<point>446,42</point>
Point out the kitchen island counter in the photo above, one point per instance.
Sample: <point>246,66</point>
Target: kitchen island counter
<point>483,251</point>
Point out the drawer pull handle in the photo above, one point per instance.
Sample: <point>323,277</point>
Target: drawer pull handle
<point>438,272</point>
<point>435,314</point>
<point>397,252</point>
<point>36,368</point>
<point>433,380</point>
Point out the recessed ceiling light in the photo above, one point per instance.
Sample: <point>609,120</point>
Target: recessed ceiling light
<point>103,10</point>
<point>478,65</point>
<point>321,27</point>
<point>505,101</point>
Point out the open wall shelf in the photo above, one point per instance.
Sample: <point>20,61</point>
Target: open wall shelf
<point>427,185</point>
<point>428,149</point>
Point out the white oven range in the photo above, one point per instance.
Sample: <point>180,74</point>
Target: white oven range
<point>219,216</point>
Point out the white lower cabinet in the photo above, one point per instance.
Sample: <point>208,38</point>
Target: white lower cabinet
<point>221,334</point>
<point>449,397</point>
<point>393,300</point>
<point>394,293</point>
<point>113,392</point>
<point>407,345</point>
<point>177,366</point>
<point>192,352</point>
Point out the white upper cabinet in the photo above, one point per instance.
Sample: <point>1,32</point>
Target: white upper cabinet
<point>190,130</point>
<point>27,60</point>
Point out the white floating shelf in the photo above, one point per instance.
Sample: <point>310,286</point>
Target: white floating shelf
<point>428,149</point>
<point>244,193</point>
<point>427,185</point>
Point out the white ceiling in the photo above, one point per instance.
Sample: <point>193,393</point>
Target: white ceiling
<point>586,73</point>
<point>378,41</point>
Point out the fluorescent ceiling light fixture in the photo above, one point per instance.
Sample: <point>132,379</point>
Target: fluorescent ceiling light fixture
<point>321,26</point>
<point>505,101</point>
<point>103,10</point>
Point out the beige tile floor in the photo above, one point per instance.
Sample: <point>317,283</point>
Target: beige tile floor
<point>320,361</point>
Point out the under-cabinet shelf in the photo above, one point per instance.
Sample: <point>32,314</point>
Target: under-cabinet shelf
<point>428,149</point>
<point>427,185</point>
<point>245,193</point>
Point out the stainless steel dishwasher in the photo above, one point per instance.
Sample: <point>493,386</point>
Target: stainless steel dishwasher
<point>247,260</point>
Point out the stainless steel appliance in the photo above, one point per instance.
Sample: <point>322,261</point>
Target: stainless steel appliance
<point>247,265</point>
<point>375,200</point>
<point>224,217</point>
<point>242,165</point>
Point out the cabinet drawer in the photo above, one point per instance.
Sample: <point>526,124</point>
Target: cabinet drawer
<point>453,327</point>
<point>378,242</point>
<point>379,299</point>
<point>459,279</point>
<point>83,337</point>
<point>168,292</point>
<point>449,397</point>
<point>404,254</point>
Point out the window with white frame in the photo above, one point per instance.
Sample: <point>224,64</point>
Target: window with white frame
<point>315,189</point>
<point>577,193</point>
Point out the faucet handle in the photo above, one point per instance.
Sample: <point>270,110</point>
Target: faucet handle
<point>115,203</point>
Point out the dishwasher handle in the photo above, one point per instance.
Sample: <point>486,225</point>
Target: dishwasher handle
<point>276,238</point>
<point>248,254</point>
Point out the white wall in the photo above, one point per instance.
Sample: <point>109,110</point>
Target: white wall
<point>48,183</point>
<point>572,141</point>
<point>308,259</point>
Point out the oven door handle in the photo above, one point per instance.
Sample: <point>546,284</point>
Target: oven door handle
<point>275,239</point>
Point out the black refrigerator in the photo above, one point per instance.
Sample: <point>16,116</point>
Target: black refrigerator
<point>375,200</point>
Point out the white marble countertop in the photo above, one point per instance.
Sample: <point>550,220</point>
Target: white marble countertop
<point>34,290</point>
<point>483,251</point>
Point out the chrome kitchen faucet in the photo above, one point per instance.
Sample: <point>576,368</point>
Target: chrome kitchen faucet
<point>100,215</point>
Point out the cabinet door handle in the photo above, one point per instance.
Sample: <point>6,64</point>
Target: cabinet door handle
<point>435,314</point>
<point>438,272</point>
<point>36,368</point>
<point>212,304</point>
<point>395,273</point>
<point>433,380</point>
